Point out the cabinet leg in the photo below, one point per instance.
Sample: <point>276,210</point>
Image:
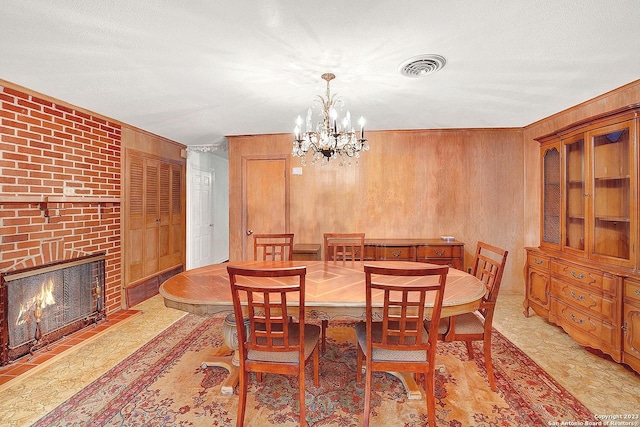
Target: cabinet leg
<point>525,304</point>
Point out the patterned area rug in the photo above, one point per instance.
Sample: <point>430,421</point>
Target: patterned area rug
<point>163,384</point>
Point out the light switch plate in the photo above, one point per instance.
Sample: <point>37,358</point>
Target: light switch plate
<point>296,171</point>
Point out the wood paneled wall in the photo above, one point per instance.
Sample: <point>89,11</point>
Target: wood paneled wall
<point>475,184</point>
<point>468,183</point>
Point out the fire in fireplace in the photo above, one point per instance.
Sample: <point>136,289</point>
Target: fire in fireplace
<point>42,304</point>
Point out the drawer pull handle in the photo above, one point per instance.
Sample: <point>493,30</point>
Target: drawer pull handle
<point>579,276</point>
<point>538,261</point>
<point>577,298</point>
<point>579,321</point>
<point>396,253</point>
<point>638,292</point>
<point>439,252</point>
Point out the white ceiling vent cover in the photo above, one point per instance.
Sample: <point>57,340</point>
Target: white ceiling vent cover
<point>420,66</point>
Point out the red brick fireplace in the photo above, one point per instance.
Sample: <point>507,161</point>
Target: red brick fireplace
<point>59,187</point>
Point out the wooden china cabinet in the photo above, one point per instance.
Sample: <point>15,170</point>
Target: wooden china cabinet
<point>585,274</point>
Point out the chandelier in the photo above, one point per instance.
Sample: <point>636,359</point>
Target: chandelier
<point>331,138</point>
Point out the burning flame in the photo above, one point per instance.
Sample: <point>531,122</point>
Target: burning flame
<point>43,299</point>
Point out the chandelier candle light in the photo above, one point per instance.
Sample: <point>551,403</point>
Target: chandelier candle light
<point>331,138</point>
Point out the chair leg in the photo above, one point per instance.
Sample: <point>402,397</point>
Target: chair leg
<point>303,406</point>
<point>325,324</point>
<point>430,383</point>
<point>489,363</point>
<point>242,398</point>
<point>359,357</point>
<point>316,367</point>
<point>367,394</point>
<point>469,349</point>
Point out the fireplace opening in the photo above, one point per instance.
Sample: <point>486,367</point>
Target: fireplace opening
<point>45,303</point>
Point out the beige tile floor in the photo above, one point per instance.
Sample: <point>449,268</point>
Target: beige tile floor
<point>603,386</point>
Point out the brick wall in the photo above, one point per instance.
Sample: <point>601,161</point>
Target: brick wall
<point>47,151</point>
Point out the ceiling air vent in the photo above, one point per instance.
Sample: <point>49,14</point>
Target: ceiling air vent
<point>422,65</point>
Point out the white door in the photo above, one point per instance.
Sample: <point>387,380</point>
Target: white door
<point>202,219</point>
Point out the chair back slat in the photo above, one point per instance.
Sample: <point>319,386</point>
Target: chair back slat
<point>343,246</point>
<point>273,246</point>
<point>488,266</point>
<point>268,325</point>
<point>402,326</point>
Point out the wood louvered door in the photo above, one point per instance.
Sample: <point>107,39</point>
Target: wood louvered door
<point>134,219</point>
<point>170,232</point>
<point>153,217</point>
<point>150,244</point>
<point>164,216</point>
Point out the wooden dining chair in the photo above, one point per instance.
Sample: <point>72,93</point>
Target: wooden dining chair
<point>273,344</point>
<point>400,342</point>
<point>343,247</point>
<point>488,266</point>
<point>273,246</point>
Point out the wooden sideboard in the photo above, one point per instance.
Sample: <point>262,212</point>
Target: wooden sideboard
<point>585,275</point>
<point>435,251</point>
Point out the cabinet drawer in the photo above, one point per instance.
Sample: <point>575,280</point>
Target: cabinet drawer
<point>444,251</point>
<point>632,292</point>
<point>369,253</point>
<point>538,261</point>
<point>396,253</point>
<point>575,296</point>
<point>578,274</point>
<point>582,326</point>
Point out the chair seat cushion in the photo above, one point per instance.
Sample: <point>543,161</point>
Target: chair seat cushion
<point>387,354</point>
<point>311,337</point>
<point>469,323</point>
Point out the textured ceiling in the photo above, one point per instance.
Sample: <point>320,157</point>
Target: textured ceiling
<point>196,71</point>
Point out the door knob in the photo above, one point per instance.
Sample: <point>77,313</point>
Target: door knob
<point>249,232</point>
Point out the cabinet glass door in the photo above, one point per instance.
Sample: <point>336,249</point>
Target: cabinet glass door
<point>551,201</point>
<point>611,191</point>
<point>574,221</point>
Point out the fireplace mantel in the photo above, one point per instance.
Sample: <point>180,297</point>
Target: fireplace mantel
<point>53,206</point>
<point>59,199</point>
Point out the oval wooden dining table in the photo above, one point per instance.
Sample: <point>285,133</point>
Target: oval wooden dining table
<point>332,290</point>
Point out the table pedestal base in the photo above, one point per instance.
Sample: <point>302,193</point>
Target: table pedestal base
<point>414,391</point>
<point>223,359</point>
